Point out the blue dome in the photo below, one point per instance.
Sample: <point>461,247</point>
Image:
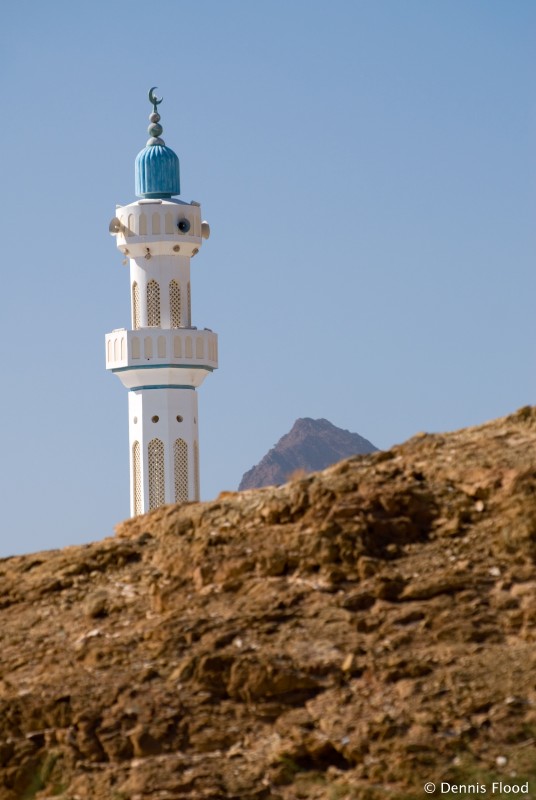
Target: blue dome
<point>157,172</point>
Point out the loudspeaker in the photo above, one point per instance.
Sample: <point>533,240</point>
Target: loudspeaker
<point>114,226</point>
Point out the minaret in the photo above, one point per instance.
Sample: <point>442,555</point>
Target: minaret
<point>163,358</point>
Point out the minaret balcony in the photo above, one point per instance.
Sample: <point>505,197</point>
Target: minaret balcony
<point>149,228</point>
<point>172,356</point>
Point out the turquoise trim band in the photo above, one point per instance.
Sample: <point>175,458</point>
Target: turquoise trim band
<point>161,386</point>
<point>163,366</point>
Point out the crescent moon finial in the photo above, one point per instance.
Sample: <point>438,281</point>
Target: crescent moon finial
<point>153,99</point>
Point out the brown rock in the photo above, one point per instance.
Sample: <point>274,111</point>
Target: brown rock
<point>350,634</point>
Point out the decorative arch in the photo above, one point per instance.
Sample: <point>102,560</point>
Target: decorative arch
<point>153,304</point>
<point>180,455</point>
<point>136,478</point>
<point>157,486</point>
<point>196,471</point>
<point>175,314</point>
<point>135,306</point>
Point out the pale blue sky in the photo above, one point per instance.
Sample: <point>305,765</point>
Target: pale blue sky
<point>368,172</point>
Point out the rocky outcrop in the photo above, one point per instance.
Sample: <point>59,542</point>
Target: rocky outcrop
<point>310,445</point>
<point>352,634</point>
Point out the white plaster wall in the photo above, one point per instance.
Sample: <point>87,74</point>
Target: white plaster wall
<point>167,404</point>
<point>134,244</point>
<point>162,269</point>
<point>121,344</point>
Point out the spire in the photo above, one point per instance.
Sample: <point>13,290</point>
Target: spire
<point>157,171</point>
<point>155,129</point>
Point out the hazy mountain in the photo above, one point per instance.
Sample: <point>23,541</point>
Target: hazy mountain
<point>310,445</point>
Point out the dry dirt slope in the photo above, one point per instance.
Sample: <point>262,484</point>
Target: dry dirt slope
<point>348,635</point>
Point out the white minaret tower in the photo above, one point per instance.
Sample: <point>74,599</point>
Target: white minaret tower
<point>163,358</point>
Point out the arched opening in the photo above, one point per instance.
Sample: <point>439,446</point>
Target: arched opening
<point>180,452</point>
<point>156,223</point>
<point>136,478</point>
<point>157,487</point>
<point>196,471</point>
<point>135,306</point>
<point>153,304</point>
<point>175,304</point>
<point>161,347</point>
<point>189,304</point>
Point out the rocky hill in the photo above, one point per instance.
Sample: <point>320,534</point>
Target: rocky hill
<point>310,445</point>
<point>352,634</point>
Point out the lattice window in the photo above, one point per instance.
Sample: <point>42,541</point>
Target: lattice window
<point>153,303</point>
<point>135,306</point>
<point>189,303</point>
<point>157,487</point>
<point>136,478</point>
<point>196,471</point>
<point>180,452</point>
<point>175,304</point>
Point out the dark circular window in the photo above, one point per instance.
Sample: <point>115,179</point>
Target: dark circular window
<point>155,418</point>
<point>179,418</point>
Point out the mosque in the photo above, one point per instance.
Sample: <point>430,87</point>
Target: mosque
<point>163,357</point>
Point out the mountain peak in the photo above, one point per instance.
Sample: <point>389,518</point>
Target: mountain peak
<point>309,446</point>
